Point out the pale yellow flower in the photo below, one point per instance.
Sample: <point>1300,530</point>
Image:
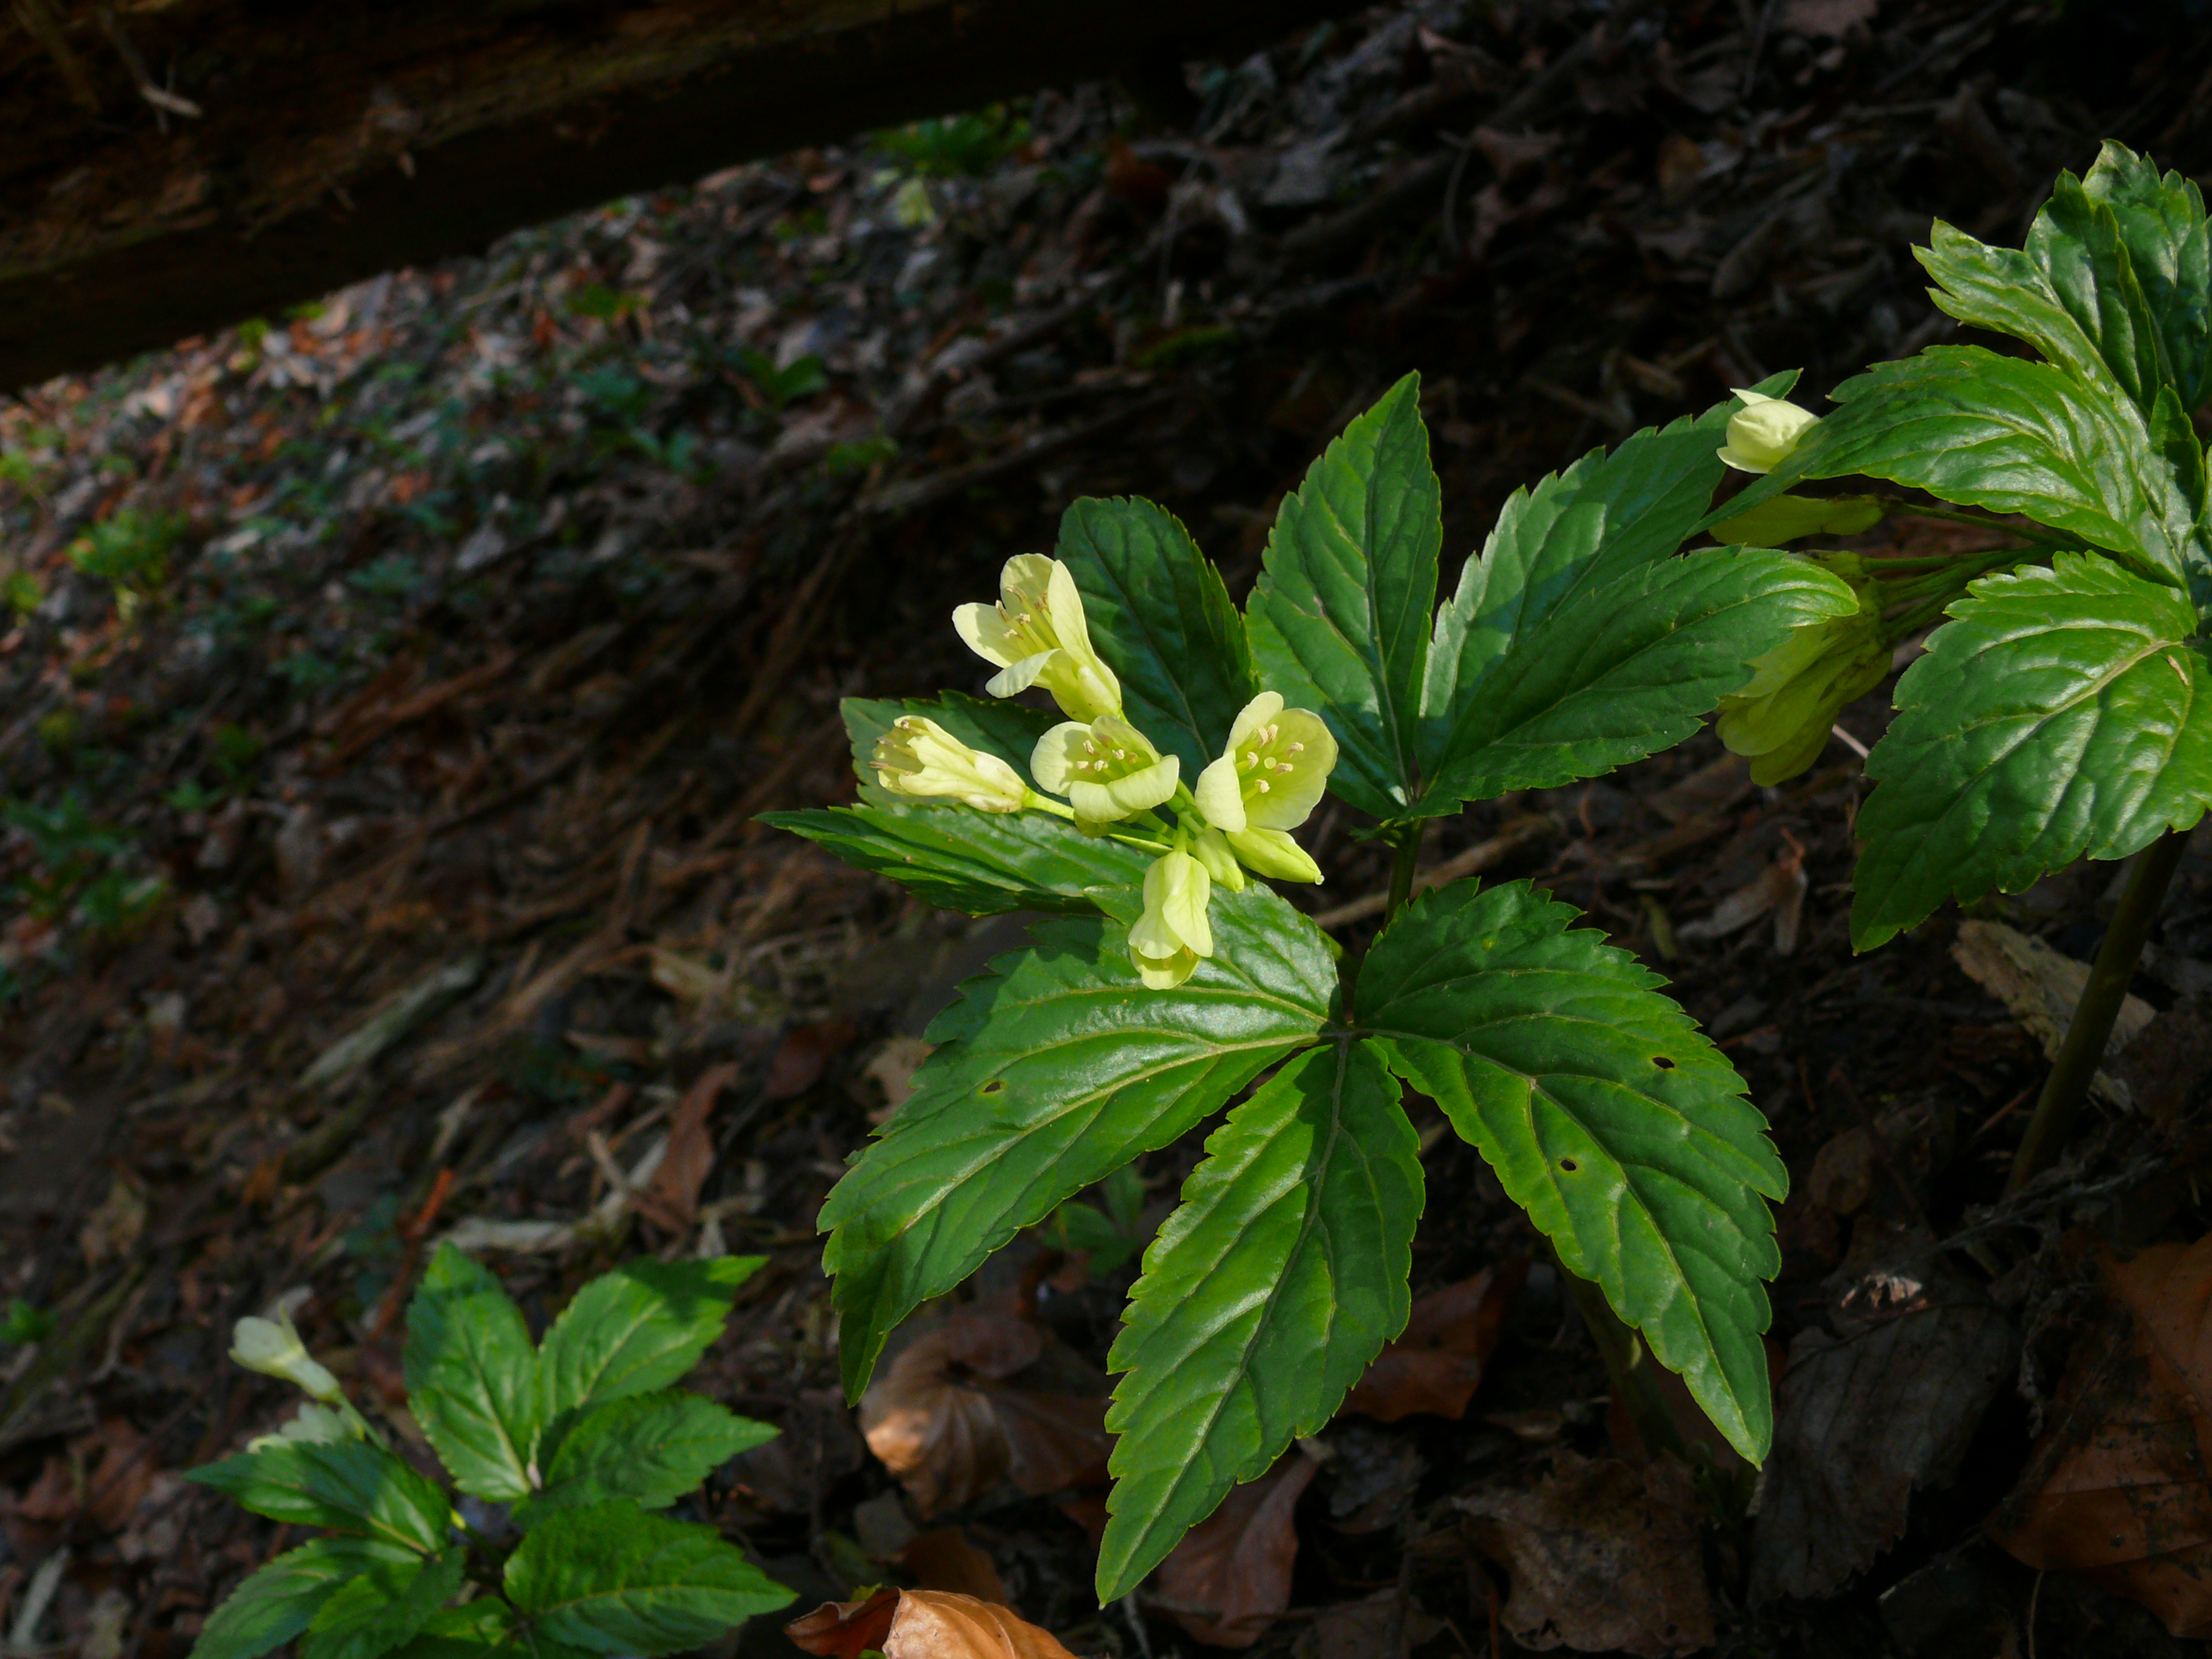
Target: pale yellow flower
<point>1037,636</point>
<point>317,1425</point>
<point>273,1348</point>
<point>1211,849</point>
<point>1761,435</point>
<point>1267,781</point>
<point>1173,934</point>
<point>918,757</point>
<point>1108,770</point>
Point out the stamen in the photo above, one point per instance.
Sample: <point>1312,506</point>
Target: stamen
<point>1298,749</point>
<point>1263,785</point>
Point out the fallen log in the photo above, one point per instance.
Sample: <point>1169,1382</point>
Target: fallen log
<point>169,166</point>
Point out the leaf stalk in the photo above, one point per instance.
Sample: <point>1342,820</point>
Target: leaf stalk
<point>1628,1364</point>
<point>2068,1086</point>
<point>1401,868</point>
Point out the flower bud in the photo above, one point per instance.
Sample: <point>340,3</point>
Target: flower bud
<point>273,1348</point>
<point>314,1424</point>
<point>1167,941</point>
<point>1037,635</point>
<point>1761,435</point>
<point>1782,719</point>
<point>1273,772</point>
<point>1783,519</point>
<point>1108,770</point>
<point>1211,849</point>
<point>920,758</point>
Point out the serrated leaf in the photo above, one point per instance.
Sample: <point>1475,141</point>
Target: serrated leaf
<point>1266,1296</point>
<point>636,1330</point>
<point>2162,219</point>
<point>981,864</point>
<point>469,1363</point>
<point>1573,530</point>
<point>1052,1070</point>
<point>348,1486</point>
<point>2060,715</point>
<point>1624,669</point>
<point>1339,619</point>
<point>612,1578</point>
<point>2080,311</point>
<point>1607,1116</point>
<point>1970,426</point>
<point>1161,617</point>
<point>281,1599</point>
<point>1008,730</point>
<point>382,1607</point>
<point>652,1448</point>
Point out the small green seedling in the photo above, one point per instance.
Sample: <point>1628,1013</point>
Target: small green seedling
<point>568,1449</point>
<point>2060,713</point>
<point>1193,739</point>
<point>130,553</point>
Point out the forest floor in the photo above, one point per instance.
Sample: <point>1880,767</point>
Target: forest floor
<point>387,692</point>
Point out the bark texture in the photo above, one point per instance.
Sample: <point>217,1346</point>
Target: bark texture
<point>166,166</point>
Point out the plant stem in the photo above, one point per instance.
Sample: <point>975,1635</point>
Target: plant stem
<point>2067,1086</point>
<point>1401,869</point>
<point>1635,1381</point>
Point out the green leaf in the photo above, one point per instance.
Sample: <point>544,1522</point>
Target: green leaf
<point>2081,310</point>
<point>469,1363</point>
<point>1573,531</point>
<point>1607,1116</point>
<point>1339,619</point>
<point>652,1448</point>
<point>1008,730</point>
<point>1971,427</point>
<point>637,1330</point>
<point>348,1486</point>
<point>980,863</point>
<point>477,1629</point>
<point>2060,715</point>
<point>280,1601</point>
<point>383,1608</point>
<point>614,1579</point>
<point>1161,617</point>
<point>2162,219</point>
<point>1051,1071</point>
<point>1625,669</point>
<point>1264,1298</point>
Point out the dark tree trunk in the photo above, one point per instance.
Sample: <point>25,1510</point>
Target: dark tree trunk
<point>166,166</point>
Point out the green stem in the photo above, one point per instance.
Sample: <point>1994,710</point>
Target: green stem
<point>1635,1381</point>
<point>1401,868</point>
<point>2071,1073</point>
<point>1979,522</point>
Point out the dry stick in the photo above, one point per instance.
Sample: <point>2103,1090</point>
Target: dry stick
<point>2067,1086</point>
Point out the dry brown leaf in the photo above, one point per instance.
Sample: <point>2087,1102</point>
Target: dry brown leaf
<point>114,1227</point>
<point>671,1201</point>
<point>1436,1365</point>
<point>943,1559</point>
<point>1388,1622</point>
<point>1602,1556</point>
<point>2118,1490</point>
<point>948,1419</point>
<point>1231,1577</point>
<point>800,1059</point>
<point>892,1070</point>
<point>922,1625</point>
<point>1827,18</point>
<point>1863,1422</point>
<point>2040,986</point>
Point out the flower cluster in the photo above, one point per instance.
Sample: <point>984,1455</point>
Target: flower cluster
<point>1113,778</point>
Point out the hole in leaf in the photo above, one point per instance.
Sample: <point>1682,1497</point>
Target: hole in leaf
<point>1662,1062</point>
<point>1569,1165</point>
<point>997,1085</point>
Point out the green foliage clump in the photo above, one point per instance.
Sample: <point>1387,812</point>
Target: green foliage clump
<point>569,1450</point>
<point>1172,980</point>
